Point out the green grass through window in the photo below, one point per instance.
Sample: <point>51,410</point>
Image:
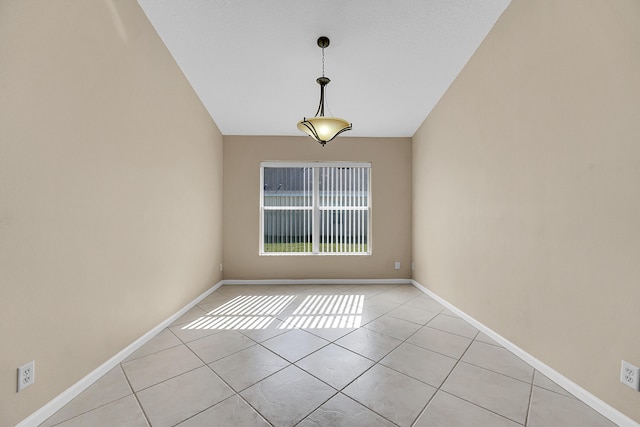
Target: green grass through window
<point>306,247</point>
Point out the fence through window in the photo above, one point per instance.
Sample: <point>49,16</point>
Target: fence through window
<point>315,208</point>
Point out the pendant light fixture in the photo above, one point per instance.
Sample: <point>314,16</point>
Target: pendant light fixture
<point>322,128</point>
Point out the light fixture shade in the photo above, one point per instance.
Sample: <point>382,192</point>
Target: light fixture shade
<point>323,129</point>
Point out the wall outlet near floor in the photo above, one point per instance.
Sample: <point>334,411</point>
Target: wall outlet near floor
<point>26,375</point>
<point>220,266</point>
<point>630,375</point>
<point>397,265</point>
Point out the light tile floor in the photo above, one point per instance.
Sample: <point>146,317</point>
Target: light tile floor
<point>363,355</point>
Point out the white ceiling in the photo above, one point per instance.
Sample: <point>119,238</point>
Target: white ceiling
<point>253,63</point>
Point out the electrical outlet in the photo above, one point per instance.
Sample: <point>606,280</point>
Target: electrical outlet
<point>397,265</point>
<point>220,266</point>
<point>630,375</point>
<point>26,375</point>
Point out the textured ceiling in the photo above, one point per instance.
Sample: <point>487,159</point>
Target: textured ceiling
<point>253,63</point>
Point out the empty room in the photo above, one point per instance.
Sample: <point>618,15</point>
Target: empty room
<point>320,213</point>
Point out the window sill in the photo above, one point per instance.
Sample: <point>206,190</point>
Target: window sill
<point>310,254</point>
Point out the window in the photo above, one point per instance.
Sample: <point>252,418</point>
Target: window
<point>315,208</point>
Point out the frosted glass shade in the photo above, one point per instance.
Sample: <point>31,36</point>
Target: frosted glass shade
<point>323,129</point>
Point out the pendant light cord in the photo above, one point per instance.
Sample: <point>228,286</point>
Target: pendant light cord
<point>322,62</point>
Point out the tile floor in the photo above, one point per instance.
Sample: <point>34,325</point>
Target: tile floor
<point>359,355</point>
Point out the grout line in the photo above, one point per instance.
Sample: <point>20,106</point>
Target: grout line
<point>135,395</point>
<point>235,393</point>
<point>338,391</point>
<point>316,408</point>
<point>482,407</point>
<point>402,373</point>
<point>131,392</point>
<point>526,417</point>
<point>424,408</point>
<point>475,404</point>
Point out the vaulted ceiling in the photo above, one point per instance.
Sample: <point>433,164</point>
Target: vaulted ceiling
<point>253,63</point>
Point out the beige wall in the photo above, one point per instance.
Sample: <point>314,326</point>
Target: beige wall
<point>391,208</point>
<point>110,191</point>
<point>526,202</point>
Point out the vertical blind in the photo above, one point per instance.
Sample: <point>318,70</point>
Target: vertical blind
<point>315,208</point>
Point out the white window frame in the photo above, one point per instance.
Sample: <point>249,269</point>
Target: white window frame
<point>315,206</point>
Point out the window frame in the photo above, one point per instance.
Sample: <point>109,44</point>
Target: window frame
<point>316,208</point>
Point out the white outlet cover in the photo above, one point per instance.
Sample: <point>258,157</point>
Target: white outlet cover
<point>26,375</point>
<point>397,265</point>
<point>630,375</point>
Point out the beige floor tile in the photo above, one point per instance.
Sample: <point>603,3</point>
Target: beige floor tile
<point>499,360</point>
<point>441,342</point>
<point>377,289</point>
<point>194,330</point>
<point>295,344</point>
<point>454,325</point>
<point>253,305</point>
<point>287,396</point>
<point>181,397</point>
<point>448,312</point>
<point>335,365</point>
<point>425,303</point>
<point>247,367</point>
<point>235,290</point>
<point>549,409</point>
<point>149,370</point>
<point>220,345</point>
<point>300,291</point>
<point>395,396</point>
<point>330,288</point>
<point>231,412</point>
<point>379,305</point>
<point>341,411</point>
<point>412,314</point>
<point>496,392</point>
<point>268,330</point>
<point>188,317</point>
<point>216,300</point>
<point>323,312</point>
<point>446,410</point>
<point>287,315</point>
<point>368,343</point>
<point>124,412</point>
<point>111,387</point>
<point>367,316</point>
<point>164,340</point>
<point>482,337</point>
<point>424,365</point>
<point>400,295</point>
<point>365,290</point>
<point>330,334</point>
<point>393,327</point>
<point>544,382</point>
<point>341,303</point>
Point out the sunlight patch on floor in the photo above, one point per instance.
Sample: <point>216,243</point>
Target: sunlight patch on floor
<point>260,311</point>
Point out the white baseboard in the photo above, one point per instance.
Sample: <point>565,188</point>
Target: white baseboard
<point>603,408</point>
<point>69,394</point>
<point>319,282</point>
